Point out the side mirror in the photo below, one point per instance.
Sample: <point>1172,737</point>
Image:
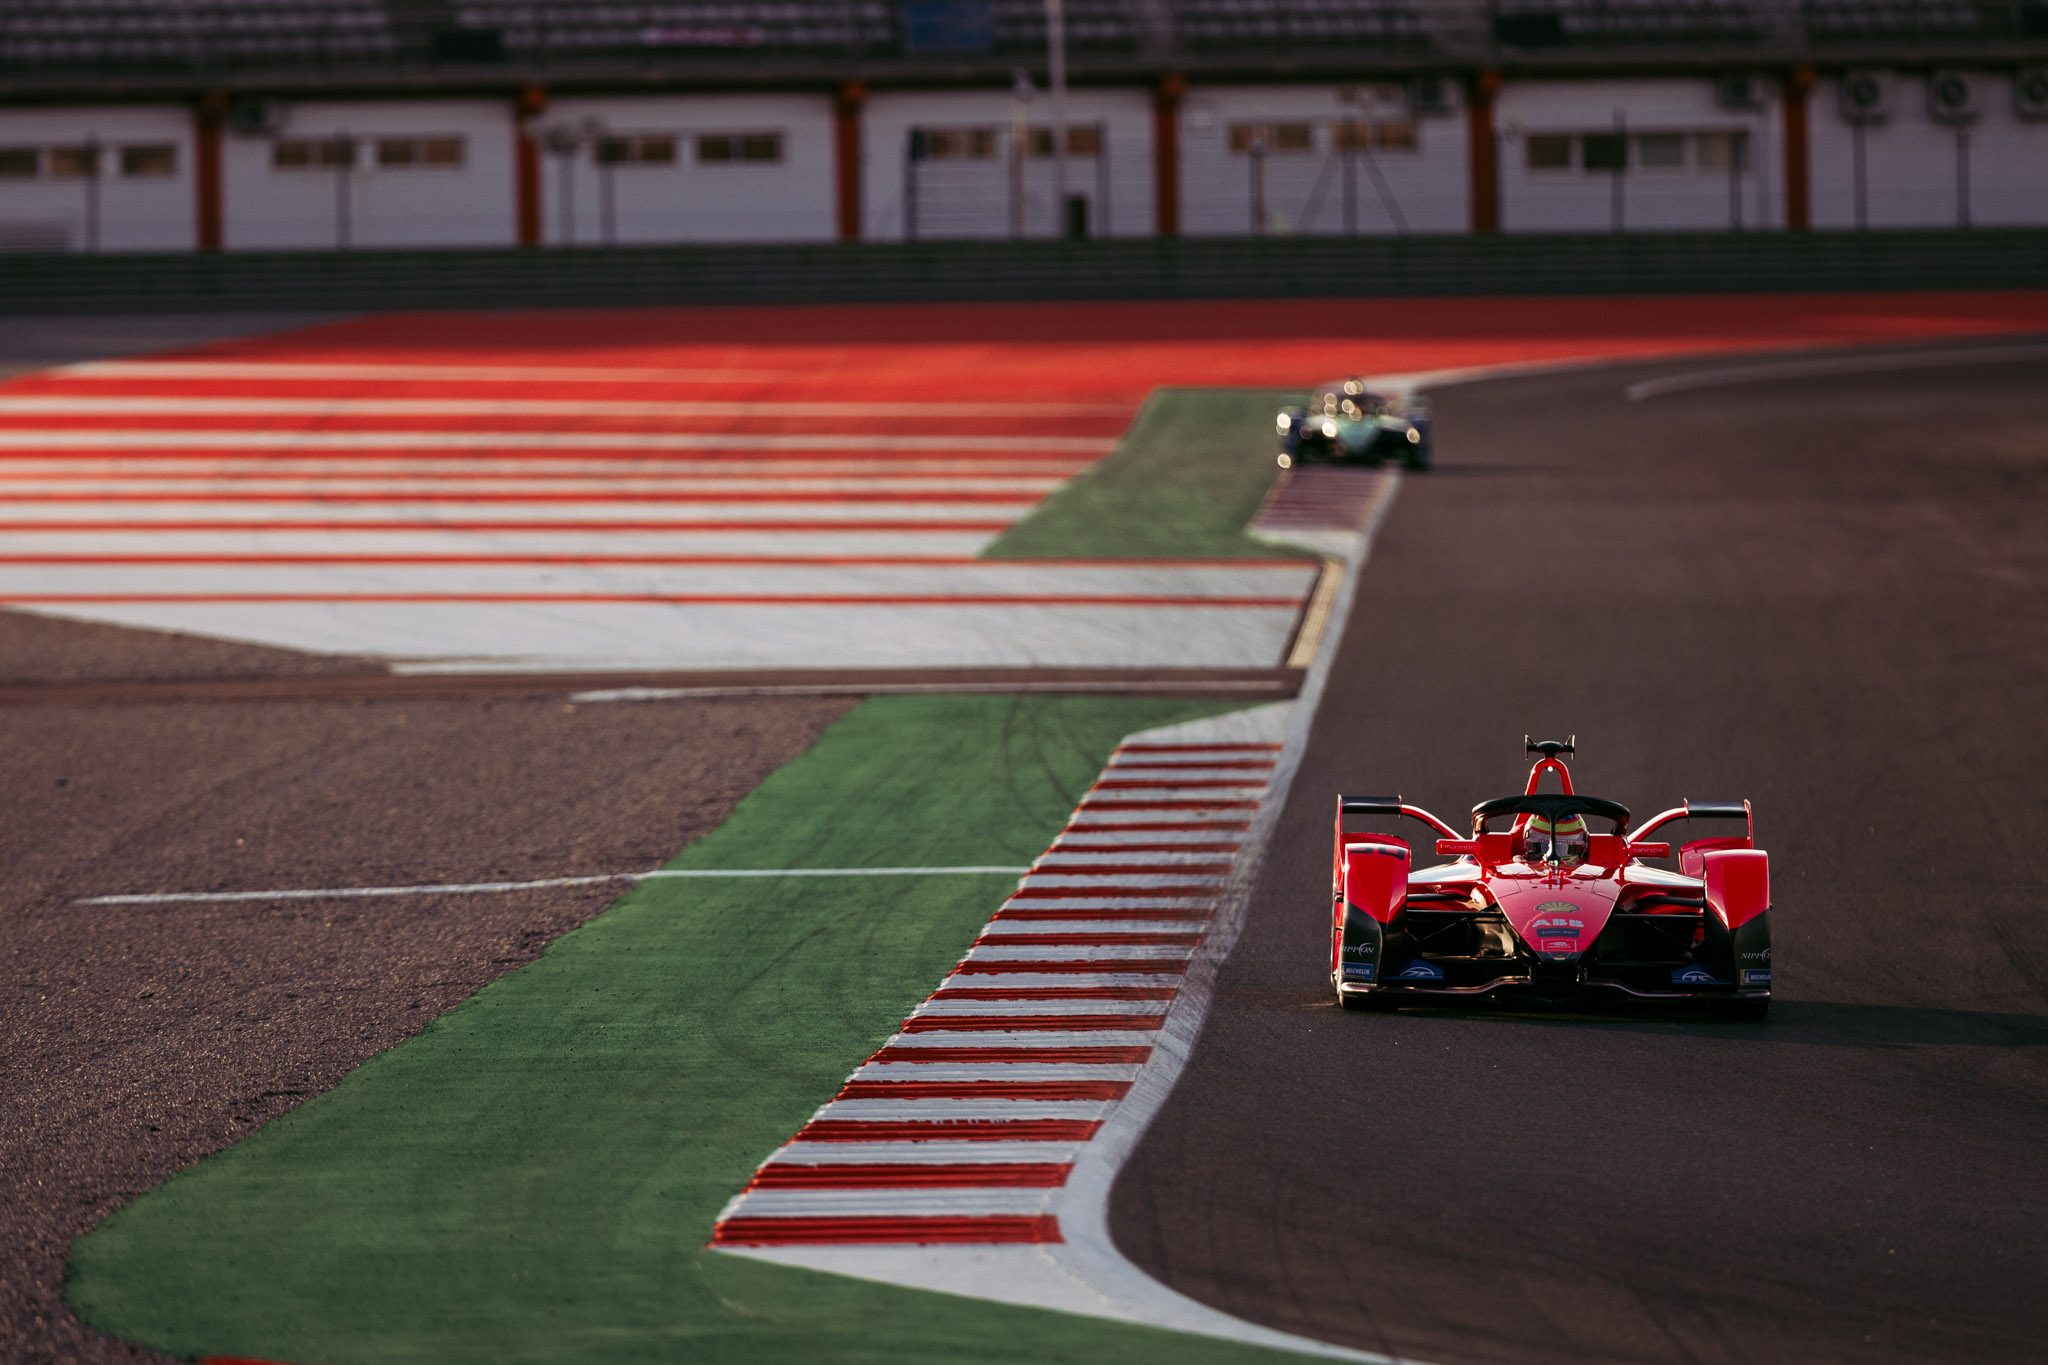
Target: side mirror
<point>1649,850</point>
<point>1457,848</point>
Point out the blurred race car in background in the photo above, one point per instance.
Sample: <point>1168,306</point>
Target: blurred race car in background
<point>1345,422</point>
<point>1548,911</point>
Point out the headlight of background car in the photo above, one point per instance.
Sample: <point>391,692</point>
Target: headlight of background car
<point>1283,421</point>
<point>1415,436</point>
<point>1329,428</point>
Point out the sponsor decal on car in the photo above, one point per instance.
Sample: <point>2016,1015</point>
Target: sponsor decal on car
<point>1764,956</point>
<point>1419,971</point>
<point>1695,976</point>
<point>1358,971</point>
<point>1361,949</point>
<point>1756,976</point>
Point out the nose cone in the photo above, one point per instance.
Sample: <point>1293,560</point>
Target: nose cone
<point>1559,922</point>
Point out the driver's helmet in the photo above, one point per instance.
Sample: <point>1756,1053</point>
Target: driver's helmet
<point>1563,840</point>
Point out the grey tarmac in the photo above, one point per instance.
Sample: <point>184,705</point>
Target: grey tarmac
<point>1825,595</point>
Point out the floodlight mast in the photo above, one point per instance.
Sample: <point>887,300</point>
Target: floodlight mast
<point>1056,71</point>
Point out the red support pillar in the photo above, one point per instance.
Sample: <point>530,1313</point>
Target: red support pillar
<point>1484,151</point>
<point>207,119</point>
<point>1798,170</point>
<point>846,107</point>
<point>1166,98</point>
<point>532,102</point>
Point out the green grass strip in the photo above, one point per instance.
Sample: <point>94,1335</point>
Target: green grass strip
<point>1182,484</point>
<point>534,1176</point>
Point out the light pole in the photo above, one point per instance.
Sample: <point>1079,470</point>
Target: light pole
<point>1257,152</point>
<point>1021,92</point>
<point>91,171</point>
<point>344,154</point>
<point>1056,69</point>
<point>563,141</point>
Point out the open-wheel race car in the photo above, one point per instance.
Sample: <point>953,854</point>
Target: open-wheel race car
<point>1344,422</point>
<point>1541,907</point>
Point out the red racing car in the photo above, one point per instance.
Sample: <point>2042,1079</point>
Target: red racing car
<point>1540,907</point>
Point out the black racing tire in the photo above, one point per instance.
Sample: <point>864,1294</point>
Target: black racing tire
<point>1752,1011</point>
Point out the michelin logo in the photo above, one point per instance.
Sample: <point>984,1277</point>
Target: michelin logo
<point>1697,976</point>
<point>1752,976</point>
<point>1358,971</point>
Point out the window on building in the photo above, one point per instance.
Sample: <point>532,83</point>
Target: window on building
<point>1604,151</point>
<point>1397,136</point>
<point>74,163</point>
<point>304,154</point>
<point>19,163</point>
<point>1548,151</point>
<point>149,160</point>
<point>1285,138</point>
<point>953,144</point>
<point>407,153</point>
<point>731,147</point>
<point>637,149</point>
<point>1660,151</point>
<point>1084,140</point>
<point>1718,151</point>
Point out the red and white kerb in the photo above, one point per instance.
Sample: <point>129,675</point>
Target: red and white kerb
<point>964,1127</point>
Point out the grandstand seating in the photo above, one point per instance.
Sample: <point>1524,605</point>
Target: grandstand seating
<point>203,36</point>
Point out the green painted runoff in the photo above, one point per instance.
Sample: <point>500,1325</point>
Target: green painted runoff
<point>534,1176</point>
<point>1181,484</point>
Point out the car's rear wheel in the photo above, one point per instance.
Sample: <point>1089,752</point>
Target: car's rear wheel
<point>1740,1009</point>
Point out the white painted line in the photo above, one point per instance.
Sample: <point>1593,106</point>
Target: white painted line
<point>954,1009</point>
<point>1820,366</point>
<point>995,1044</point>
<point>236,438</point>
<point>941,1203</point>
<point>89,404</point>
<point>957,1111</point>
<point>1077,953</point>
<point>271,370</point>
<point>400,487</point>
<point>478,888</point>
<point>1114,881</point>
<point>845,690</point>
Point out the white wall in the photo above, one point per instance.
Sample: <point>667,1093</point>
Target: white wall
<point>1910,161</point>
<point>1424,190</point>
<point>135,213</point>
<point>471,205</point>
<point>1688,197</point>
<point>972,198</point>
<point>690,201</point>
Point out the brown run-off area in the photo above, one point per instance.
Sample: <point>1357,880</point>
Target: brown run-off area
<point>142,1038</point>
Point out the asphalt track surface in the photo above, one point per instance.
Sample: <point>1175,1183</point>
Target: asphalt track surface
<point>1825,596</point>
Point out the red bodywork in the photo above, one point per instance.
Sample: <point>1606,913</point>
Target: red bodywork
<point>1551,919</point>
